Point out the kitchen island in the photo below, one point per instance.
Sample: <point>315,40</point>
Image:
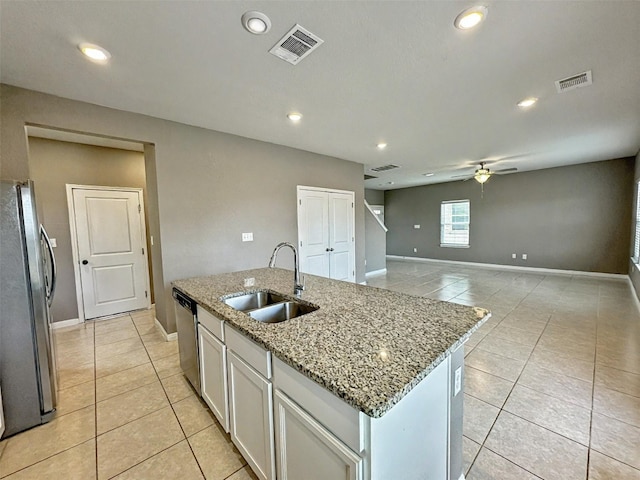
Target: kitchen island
<point>372,378</point>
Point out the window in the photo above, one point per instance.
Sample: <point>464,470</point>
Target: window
<point>636,240</point>
<point>454,223</point>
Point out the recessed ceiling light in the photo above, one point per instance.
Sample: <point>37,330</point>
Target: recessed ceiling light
<point>527,102</point>
<point>389,183</point>
<point>381,146</point>
<point>471,17</point>
<point>428,174</point>
<point>294,117</point>
<point>256,22</point>
<point>94,52</point>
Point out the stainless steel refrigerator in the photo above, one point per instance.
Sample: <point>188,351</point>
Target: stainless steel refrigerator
<point>27,285</point>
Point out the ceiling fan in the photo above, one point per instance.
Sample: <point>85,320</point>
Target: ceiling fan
<point>482,174</point>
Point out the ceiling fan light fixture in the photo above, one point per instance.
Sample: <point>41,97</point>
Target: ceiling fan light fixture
<point>482,175</point>
<point>471,17</point>
<point>256,22</point>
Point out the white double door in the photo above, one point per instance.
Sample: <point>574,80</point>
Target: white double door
<point>326,238</point>
<point>110,241</point>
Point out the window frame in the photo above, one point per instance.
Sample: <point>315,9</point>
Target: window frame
<point>443,224</point>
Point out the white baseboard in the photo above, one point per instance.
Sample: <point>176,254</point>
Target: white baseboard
<point>375,273</point>
<point>65,323</point>
<point>552,271</point>
<point>169,337</point>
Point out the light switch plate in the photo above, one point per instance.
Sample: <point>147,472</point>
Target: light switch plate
<point>247,237</point>
<point>513,255</point>
<point>524,256</point>
<point>417,227</point>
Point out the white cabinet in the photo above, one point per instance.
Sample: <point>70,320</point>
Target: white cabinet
<point>251,402</point>
<point>307,450</point>
<point>212,360</point>
<point>213,369</point>
<point>326,238</point>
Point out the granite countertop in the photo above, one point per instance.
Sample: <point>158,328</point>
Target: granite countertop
<point>368,346</point>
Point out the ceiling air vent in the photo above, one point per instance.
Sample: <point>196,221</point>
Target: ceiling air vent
<point>576,81</point>
<point>296,44</point>
<point>384,168</point>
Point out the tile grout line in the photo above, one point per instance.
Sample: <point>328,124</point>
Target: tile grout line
<point>171,406</point>
<point>95,400</point>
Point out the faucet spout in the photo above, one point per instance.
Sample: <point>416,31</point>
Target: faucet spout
<point>297,286</point>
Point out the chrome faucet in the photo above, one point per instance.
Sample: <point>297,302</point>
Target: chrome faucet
<point>297,286</point>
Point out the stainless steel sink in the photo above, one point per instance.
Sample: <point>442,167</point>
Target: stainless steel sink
<point>252,301</point>
<point>269,307</point>
<point>280,312</point>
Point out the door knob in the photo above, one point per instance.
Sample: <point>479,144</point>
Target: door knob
<point>85,262</point>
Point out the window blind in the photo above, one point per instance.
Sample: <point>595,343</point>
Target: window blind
<point>454,223</point>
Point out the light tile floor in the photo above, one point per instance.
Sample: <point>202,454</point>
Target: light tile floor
<point>125,411</point>
<point>552,380</point>
<point>552,388</point>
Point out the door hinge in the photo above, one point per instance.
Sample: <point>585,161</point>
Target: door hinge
<point>352,205</point>
<point>300,201</point>
<point>139,208</point>
<point>300,242</point>
<point>145,294</point>
<point>143,251</point>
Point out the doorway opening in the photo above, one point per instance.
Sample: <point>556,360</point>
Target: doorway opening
<point>60,157</point>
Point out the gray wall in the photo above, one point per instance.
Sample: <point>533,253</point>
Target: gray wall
<point>375,243</point>
<point>374,197</point>
<point>52,165</point>
<point>634,272</point>
<point>570,218</point>
<point>205,187</point>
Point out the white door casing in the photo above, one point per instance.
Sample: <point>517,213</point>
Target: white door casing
<point>326,238</point>
<point>108,241</point>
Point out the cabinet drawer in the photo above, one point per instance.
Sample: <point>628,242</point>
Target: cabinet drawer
<point>252,353</point>
<point>211,322</point>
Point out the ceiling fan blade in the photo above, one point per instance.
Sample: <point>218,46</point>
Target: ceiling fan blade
<point>506,170</point>
<point>460,176</point>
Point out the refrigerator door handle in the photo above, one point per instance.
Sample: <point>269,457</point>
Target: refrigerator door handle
<point>54,272</point>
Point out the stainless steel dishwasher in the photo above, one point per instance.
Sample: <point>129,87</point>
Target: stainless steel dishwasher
<point>186,323</point>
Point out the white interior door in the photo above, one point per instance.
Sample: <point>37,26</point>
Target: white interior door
<point>313,232</point>
<point>341,240</point>
<point>326,225</point>
<point>110,239</point>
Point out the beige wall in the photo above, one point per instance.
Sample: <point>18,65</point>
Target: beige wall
<point>205,188</point>
<point>54,164</point>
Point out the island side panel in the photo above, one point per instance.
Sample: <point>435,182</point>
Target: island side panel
<point>411,440</point>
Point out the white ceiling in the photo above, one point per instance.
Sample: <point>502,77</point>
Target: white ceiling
<point>392,71</point>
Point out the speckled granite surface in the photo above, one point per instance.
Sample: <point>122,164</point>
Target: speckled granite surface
<point>368,346</point>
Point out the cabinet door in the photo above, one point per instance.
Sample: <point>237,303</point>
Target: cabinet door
<point>251,416</point>
<point>213,369</point>
<point>307,450</point>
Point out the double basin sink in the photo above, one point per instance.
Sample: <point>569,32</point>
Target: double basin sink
<point>269,307</point>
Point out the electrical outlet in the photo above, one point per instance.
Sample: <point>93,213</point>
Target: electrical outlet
<point>524,256</point>
<point>417,227</point>
<point>151,238</point>
<point>54,243</point>
<point>249,282</point>
<point>415,250</point>
<point>457,381</point>
<point>513,255</point>
<point>247,237</point>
